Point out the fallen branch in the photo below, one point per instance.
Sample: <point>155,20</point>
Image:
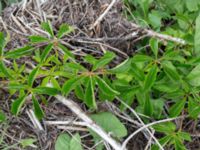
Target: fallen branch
<point>89,122</point>
<point>160,36</point>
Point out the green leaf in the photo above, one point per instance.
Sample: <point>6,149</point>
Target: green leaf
<point>4,70</point>
<point>141,58</point>
<point>32,76</point>
<point>179,144</point>
<point>89,94</point>
<point>17,53</point>
<point>194,76</point>
<point>192,5</point>
<point>154,46</point>
<point>90,59</point>
<point>170,71</point>
<point>38,39</point>
<point>122,67</point>
<point>48,27</point>
<point>63,142</point>
<point>79,92</point>
<point>17,86</point>
<point>17,105</point>
<point>64,30</point>
<point>193,108</point>
<point>75,143</point>
<point>185,136</point>
<point>155,19</point>
<point>110,123</point>
<point>45,90</point>
<point>70,84</point>
<point>105,87</point>
<point>66,51</point>
<point>148,106</point>
<point>108,56</point>
<point>176,109</point>
<point>45,53</point>
<point>2,117</point>
<point>150,78</point>
<point>137,72</point>
<point>37,109</point>
<point>27,142</point>
<point>197,36</point>
<point>2,43</point>
<point>166,127</point>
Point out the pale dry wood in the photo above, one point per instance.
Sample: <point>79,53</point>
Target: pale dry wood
<point>90,123</point>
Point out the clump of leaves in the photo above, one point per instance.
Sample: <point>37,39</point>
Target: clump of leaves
<point>151,81</point>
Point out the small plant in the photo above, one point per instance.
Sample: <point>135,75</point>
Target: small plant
<point>152,81</point>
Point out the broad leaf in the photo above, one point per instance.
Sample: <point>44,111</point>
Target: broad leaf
<point>110,123</point>
<point>75,143</point>
<point>166,127</point>
<point>63,142</point>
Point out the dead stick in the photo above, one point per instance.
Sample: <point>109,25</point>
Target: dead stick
<point>90,123</point>
<point>103,15</point>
